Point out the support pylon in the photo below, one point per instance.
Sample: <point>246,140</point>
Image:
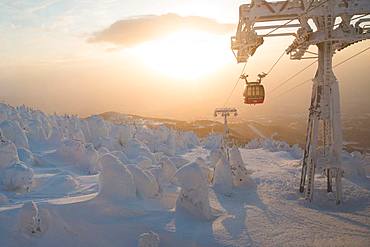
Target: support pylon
<point>324,139</point>
<point>226,113</point>
<point>324,132</point>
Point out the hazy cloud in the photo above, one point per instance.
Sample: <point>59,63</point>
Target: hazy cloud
<point>139,29</point>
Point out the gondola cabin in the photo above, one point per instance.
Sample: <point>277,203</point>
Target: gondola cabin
<point>254,94</point>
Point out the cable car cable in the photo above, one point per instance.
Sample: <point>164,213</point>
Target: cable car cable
<point>269,71</point>
<point>236,84</point>
<point>293,76</point>
<point>277,61</point>
<point>355,55</point>
<point>291,89</point>
<point>337,65</point>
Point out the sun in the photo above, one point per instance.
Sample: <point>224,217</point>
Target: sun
<point>186,54</point>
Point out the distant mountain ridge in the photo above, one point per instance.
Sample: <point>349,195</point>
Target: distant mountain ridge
<point>290,128</point>
<point>241,132</point>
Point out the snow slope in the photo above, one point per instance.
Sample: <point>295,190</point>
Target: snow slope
<point>99,184</point>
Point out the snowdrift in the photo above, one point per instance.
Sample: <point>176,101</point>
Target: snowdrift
<point>8,153</point>
<point>275,146</point>
<point>130,184</point>
<point>116,179</point>
<point>193,197</point>
<point>17,177</point>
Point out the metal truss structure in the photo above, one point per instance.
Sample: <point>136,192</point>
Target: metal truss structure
<point>331,25</point>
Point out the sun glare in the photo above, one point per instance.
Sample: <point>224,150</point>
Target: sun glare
<point>185,54</point>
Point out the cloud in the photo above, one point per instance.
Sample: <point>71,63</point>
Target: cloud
<point>136,30</point>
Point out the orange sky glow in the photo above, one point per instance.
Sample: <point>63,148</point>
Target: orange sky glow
<point>64,58</point>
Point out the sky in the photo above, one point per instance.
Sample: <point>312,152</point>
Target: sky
<point>164,58</point>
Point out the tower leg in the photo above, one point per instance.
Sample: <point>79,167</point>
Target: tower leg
<point>338,183</point>
<point>324,116</point>
<point>337,139</point>
<point>307,149</point>
<point>312,160</point>
<point>305,155</point>
<point>329,180</point>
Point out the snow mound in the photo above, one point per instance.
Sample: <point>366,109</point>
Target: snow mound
<point>168,169</point>
<point>275,146</point>
<point>26,156</point>
<point>191,139</point>
<point>32,221</point>
<point>3,199</point>
<point>207,172</point>
<point>97,129</point>
<point>144,162</point>
<point>135,149</point>
<point>193,197</point>
<point>122,133</point>
<point>17,177</point>
<point>214,156</point>
<point>212,141</point>
<point>56,137</point>
<point>121,156</point>
<point>83,156</point>
<point>36,135</point>
<point>13,131</point>
<point>223,179</point>
<point>103,150</point>
<point>164,172</point>
<point>354,164</point>
<point>61,183</point>
<point>168,147</point>
<point>178,161</point>
<point>149,239</point>
<point>116,180</point>
<point>8,153</point>
<point>146,183</point>
<point>238,169</point>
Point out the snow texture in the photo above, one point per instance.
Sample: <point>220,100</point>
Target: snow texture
<point>32,221</point>
<point>223,179</point>
<point>95,183</point>
<point>354,165</point>
<point>116,180</point>
<point>206,170</point>
<point>168,170</point>
<point>8,153</point>
<point>61,182</point>
<point>275,146</point>
<point>17,177</point>
<point>238,169</point>
<point>146,184</point>
<point>149,239</point>
<point>3,199</point>
<point>193,197</point>
<point>213,142</point>
<point>26,156</point>
<point>75,152</point>
<point>12,131</point>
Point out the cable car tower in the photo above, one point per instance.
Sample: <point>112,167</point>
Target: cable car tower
<point>331,25</point>
<point>225,113</point>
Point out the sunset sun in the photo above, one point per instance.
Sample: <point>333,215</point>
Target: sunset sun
<point>185,54</point>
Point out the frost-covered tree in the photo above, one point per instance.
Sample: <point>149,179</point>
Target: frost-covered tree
<point>193,197</point>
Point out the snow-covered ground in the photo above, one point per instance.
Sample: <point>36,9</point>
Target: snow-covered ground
<point>65,181</point>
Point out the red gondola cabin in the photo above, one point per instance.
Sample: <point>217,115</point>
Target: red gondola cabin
<point>254,94</point>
